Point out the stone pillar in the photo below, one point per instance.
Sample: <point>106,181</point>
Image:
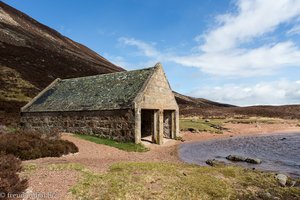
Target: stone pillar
<point>155,127</point>
<point>176,123</point>
<point>173,125</point>
<point>161,127</point>
<point>137,131</point>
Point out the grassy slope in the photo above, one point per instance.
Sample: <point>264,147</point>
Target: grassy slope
<point>126,146</point>
<point>212,126</point>
<point>176,181</point>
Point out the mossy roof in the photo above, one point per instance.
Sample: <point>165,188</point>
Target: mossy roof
<point>100,92</point>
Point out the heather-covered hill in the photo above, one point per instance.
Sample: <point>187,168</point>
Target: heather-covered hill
<point>33,55</point>
<point>284,111</point>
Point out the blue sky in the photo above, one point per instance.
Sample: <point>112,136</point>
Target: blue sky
<point>243,52</point>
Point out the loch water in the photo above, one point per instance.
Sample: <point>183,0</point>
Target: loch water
<point>279,153</point>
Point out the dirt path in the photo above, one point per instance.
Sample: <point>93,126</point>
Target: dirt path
<point>98,158</point>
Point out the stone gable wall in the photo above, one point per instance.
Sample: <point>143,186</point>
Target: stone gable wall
<point>115,124</point>
<point>158,94</point>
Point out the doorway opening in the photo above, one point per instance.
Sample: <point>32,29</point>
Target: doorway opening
<point>148,125</point>
<point>169,123</point>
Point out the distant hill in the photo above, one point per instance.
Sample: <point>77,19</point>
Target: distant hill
<point>190,106</point>
<point>284,111</point>
<point>187,101</point>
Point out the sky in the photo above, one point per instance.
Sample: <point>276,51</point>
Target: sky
<point>241,52</point>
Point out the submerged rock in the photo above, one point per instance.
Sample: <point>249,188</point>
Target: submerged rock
<point>236,158</point>
<point>282,179</point>
<point>253,160</point>
<point>214,162</point>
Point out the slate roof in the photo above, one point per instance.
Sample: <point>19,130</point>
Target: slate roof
<point>100,92</point>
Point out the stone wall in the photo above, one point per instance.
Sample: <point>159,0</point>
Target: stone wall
<point>115,124</point>
<point>158,94</point>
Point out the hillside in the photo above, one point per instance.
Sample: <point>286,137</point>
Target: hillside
<point>186,102</point>
<point>190,106</point>
<point>33,55</point>
<point>284,111</point>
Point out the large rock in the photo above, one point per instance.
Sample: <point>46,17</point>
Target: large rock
<point>282,179</point>
<point>193,130</point>
<point>253,160</point>
<point>236,158</point>
<point>215,163</point>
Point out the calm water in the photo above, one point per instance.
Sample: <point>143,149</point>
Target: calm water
<point>277,154</point>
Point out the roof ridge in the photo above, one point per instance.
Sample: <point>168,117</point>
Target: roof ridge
<point>108,74</point>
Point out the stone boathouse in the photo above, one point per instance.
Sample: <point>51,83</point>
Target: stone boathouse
<point>124,106</point>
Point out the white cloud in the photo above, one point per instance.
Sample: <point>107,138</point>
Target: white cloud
<point>222,52</point>
<point>254,18</point>
<point>295,30</point>
<point>117,60</point>
<point>279,92</point>
<point>124,63</point>
<point>238,62</point>
<point>147,49</point>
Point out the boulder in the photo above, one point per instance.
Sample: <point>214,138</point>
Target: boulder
<point>236,158</point>
<point>193,130</point>
<point>282,179</point>
<point>253,160</point>
<point>214,162</point>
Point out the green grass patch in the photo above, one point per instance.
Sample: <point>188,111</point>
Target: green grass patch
<point>176,181</point>
<point>126,146</point>
<point>254,120</point>
<point>30,167</point>
<point>201,125</point>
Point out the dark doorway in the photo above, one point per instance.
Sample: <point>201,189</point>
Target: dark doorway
<point>168,123</point>
<point>148,124</point>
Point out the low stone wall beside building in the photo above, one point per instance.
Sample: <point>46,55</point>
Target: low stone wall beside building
<point>115,124</point>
